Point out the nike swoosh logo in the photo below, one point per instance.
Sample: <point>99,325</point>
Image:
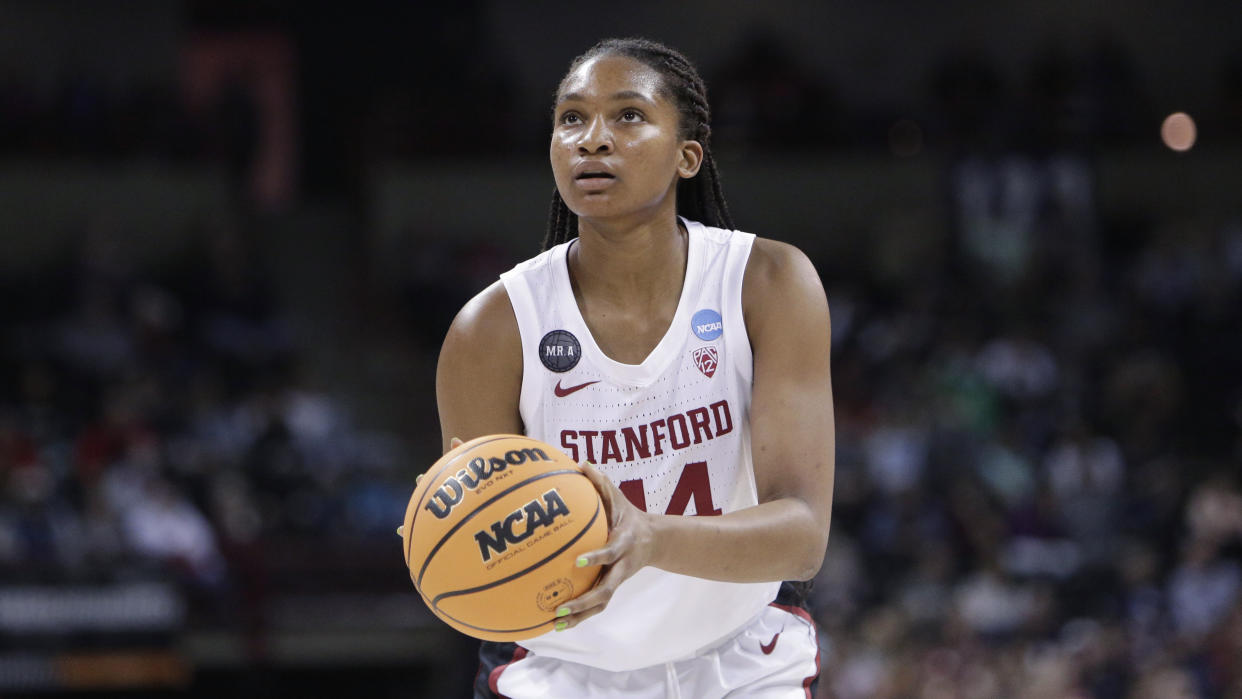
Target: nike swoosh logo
<point>562,392</point>
<point>771,645</point>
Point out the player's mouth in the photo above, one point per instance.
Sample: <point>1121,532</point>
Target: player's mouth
<point>594,180</point>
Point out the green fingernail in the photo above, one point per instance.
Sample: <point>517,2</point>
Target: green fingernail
<point>582,561</point>
<point>562,625</point>
<point>563,611</point>
<point>401,530</point>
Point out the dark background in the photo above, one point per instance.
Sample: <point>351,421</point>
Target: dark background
<point>232,235</point>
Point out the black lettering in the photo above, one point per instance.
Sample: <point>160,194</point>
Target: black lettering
<point>479,468</point>
<point>496,541</point>
<point>556,506</point>
<point>442,501</point>
<point>469,480</point>
<point>505,529</point>
<point>536,515</point>
<point>520,456</point>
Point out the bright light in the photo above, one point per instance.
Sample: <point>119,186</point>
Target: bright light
<point>1178,132</point>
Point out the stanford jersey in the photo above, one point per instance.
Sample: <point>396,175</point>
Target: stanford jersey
<point>672,432</point>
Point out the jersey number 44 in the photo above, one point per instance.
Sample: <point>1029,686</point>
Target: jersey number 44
<point>694,483</point>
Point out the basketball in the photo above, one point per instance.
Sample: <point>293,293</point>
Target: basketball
<point>492,532</point>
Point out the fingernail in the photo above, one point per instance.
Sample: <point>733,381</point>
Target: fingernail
<point>582,561</point>
<point>401,530</point>
<point>563,611</point>
<point>561,625</point>
<point>419,478</point>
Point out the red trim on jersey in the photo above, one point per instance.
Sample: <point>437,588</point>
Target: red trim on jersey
<point>494,677</point>
<point>799,611</point>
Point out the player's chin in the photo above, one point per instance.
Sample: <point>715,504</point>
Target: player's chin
<point>596,208</point>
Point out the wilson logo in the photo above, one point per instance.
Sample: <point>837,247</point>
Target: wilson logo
<point>451,491</point>
<point>519,525</point>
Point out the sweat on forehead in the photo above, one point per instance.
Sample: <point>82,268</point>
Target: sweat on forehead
<point>636,75</point>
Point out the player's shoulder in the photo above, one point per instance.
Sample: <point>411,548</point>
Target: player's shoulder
<point>485,320</point>
<point>780,288</point>
<point>774,264</point>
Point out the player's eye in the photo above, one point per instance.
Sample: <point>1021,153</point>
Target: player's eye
<point>570,119</point>
<point>631,115</point>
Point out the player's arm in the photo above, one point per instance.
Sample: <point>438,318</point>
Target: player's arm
<point>792,443</point>
<point>479,373</point>
<point>793,435</point>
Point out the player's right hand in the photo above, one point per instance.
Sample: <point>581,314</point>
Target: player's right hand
<point>630,547</point>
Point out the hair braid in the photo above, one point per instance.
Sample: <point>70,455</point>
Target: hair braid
<point>699,198</point>
<point>562,223</point>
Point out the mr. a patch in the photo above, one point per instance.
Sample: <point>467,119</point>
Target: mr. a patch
<point>559,351</point>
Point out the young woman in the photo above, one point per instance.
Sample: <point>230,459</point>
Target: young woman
<point>688,363</point>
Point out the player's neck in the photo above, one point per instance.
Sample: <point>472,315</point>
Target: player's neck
<point>640,264</point>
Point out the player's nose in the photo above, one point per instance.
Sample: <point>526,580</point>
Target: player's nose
<point>596,138</point>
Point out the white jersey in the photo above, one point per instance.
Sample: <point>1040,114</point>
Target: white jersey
<point>672,432</point>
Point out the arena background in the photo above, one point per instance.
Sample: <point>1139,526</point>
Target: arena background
<point>232,235</point>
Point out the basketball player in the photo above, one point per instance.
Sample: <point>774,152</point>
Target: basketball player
<point>689,364</point>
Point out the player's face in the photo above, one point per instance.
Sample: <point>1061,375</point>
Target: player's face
<point>615,147</point>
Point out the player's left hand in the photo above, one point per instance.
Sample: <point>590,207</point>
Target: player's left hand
<point>453,444</point>
<point>630,546</point>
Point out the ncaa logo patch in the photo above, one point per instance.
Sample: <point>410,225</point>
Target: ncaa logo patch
<point>707,324</point>
<point>559,351</point>
<point>706,359</point>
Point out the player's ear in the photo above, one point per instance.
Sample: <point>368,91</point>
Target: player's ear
<point>691,159</point>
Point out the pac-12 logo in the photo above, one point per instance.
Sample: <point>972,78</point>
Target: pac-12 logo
<point>707,324</point>
<point>559,351</point>
<point>706,358</point>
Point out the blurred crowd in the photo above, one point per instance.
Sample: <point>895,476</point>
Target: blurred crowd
<point>153,423</point>
<point>1039,424</point>
<point>1039,432</point>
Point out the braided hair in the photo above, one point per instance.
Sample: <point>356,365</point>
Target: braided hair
<point>698,198</point>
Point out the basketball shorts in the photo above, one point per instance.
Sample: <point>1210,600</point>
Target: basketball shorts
<point>775,657</point>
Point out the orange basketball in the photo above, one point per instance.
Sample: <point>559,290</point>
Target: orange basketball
<point>492,532</point>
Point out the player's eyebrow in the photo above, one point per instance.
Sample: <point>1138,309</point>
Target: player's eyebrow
<point>616,97</point>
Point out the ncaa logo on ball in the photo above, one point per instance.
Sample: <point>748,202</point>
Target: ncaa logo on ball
<point>707,324</point>
<point>559,351</point>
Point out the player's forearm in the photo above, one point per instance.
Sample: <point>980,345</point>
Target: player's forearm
<point>778,540</point>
